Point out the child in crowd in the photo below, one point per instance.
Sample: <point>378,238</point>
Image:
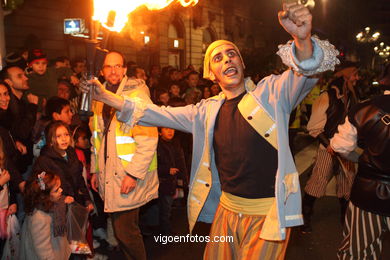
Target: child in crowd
<point>98,220</point>
<point>82,146</point>
<point>56,109</point>
<point>59,156</point>
<point>162,97</point>
<point>7,194</point>
<point>78,66</point>
<point>192,93</point>
<point>174,91</point>
<point>67,91</point>
<point>171,162</point>
<point>43,234</point>
<point>206,92</point>
<point>215,89</point>
<point>62,62</point>
<point>43,79</point>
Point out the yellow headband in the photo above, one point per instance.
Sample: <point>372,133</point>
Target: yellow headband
<point>212,46</point>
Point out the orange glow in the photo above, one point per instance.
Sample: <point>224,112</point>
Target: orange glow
<point>122,8</point>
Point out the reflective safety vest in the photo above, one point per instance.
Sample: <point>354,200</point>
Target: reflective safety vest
<point>125,145</point>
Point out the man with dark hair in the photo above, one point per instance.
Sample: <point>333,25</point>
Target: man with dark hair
<point>24,112</point>
<point>123,161</point>
<point>329,111</point>
<point>368,215</point>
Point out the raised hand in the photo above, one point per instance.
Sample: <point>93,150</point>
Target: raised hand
<point>296,20</point>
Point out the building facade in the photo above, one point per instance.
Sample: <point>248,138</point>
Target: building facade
<point>175,36</point>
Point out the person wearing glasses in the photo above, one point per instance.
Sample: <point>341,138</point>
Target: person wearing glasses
<point>243,177</point>
<point>123,161</point>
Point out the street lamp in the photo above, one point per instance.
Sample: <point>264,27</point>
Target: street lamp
<point>382,50</point>
<point>366,36</point>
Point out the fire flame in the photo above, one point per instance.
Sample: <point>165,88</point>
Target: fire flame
<point>122,8</point>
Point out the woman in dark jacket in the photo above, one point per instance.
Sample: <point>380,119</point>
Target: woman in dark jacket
<point>9,145</point>
<point>59,157</point>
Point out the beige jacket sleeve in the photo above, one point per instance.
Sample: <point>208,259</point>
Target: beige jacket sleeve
<point>146,139</point>
<point>317,121</point>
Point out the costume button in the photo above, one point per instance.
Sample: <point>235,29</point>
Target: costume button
<point>209,168</point>
<point>266,134</point>
<point>250,117</point>
<point>106,182</point>
<point>207,185</point>
<point>115,174</point>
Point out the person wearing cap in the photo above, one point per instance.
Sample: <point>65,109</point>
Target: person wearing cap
<point>329,111</point>
<point>43,80</point>
<point>243,177</point>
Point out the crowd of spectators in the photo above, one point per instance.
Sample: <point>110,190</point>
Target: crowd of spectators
<point>40,131</point>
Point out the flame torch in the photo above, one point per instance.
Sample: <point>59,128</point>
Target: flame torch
<point>113,16</point>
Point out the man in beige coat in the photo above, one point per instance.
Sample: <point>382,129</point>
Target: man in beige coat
<point>123,160</point>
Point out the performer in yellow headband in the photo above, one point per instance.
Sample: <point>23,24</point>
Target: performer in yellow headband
<point>243,177</point>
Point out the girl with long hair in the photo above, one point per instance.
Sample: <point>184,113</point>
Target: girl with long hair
<point>60,157</point>
<point>43,233</point>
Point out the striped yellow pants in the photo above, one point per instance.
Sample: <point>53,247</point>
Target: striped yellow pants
<point>244,232</point>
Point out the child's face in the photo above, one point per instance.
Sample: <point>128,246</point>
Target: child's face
<point>56,191</point>
<point>79,68</point>
<point>167,133</point>
<point>82,142</point>
<point>63,64</point>
<point>175,90</point>
<point>206,92</point>
<point>214,89</point>
<point>164,98</point>
<point>193,80</point>
<point>63,91</point>
<point>62,138</point>
<point>39,67</point>
<point>65,115</point>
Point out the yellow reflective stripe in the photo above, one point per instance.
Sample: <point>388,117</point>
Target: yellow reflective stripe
<point>124,140</point>
<point>153,164</point>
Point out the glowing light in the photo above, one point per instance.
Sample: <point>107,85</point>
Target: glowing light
<point>382,50</point>
<point>113,14</point>
<point>146,39</point>
<point>176,43</point>
<point>366,36</point>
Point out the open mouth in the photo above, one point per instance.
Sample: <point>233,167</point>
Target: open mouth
<point>231,71</point>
